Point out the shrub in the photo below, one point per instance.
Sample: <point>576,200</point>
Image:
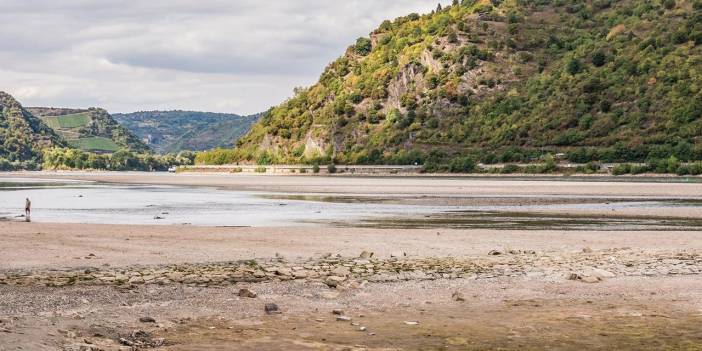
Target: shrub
<point>261,169</point>
<point>315,168</point>
<point>621,169</point>
<point>509,169</point>
<point>462,165</point>
<point>363,46</point>
<point>331,168</point>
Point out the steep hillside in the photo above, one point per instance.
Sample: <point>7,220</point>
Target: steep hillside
<point>22,136</point>
<point>89,130</point>
<point>175,131</point>
<point>501,81</point>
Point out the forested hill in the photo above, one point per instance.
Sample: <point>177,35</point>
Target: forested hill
<point>22,136</point>
<point>90,130</point>
<point>502,81</point>
<point>175,131</point>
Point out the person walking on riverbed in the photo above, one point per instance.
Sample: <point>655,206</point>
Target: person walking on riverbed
<point>27,210</point>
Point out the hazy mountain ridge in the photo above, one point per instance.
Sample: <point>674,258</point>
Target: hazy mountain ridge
<point>501,81</point>
<point>174,131</point>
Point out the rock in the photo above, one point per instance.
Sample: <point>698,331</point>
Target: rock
<point>343,319</point>
<point>362,328</point>
<point>600,273</point>
<point>495,253</point>
<point>338,312</point>
<point>458,296</point>
<point>366,255</point>
<point>587,250</point>
<point>147,320</point>
<point>341,271</point>
<point>411,322</point>
<point>334,281</point>
<point>272,308</point>
<point>284,271</point>
<point>247,293</point>
<point>590,280</point>
<point>574,276</point>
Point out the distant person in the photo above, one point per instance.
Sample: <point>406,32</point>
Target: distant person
<point>27,209</point>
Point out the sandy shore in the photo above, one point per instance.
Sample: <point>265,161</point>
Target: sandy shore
<point>125,287</point>
<point>36,245</point>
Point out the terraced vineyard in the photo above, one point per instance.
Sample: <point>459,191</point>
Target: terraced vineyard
<point>95,144</point>
<point>69,127</point>
<point>89,130</point>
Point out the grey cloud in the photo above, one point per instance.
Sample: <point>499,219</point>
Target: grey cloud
<point>223,55</point>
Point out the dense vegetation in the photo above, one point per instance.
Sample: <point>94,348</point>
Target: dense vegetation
<point>501,81</point>
<point>22,136</point>
<point>175,131</point>
<point>90,130</point>
<point>121,160</point>
<point>28,143</point>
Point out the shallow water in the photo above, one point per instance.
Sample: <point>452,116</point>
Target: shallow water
<point>87,202</point>
<point>57,201</point>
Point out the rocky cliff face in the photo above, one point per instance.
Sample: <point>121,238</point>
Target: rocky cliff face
<point>503,81</point>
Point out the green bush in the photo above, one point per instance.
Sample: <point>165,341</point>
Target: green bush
<point>261,169</point>
<point>509,169</point>
<point>462,165</point>
<point>331,168</point>
<point>621,169</point>
<point>315,169</point>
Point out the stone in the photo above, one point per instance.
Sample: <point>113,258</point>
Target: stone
<point>341,271</point>
<point>272,308</point>
<point>343,319</point>
<point>590,280</point>
<point>247,293</point>
<point>147,320</point>
<point>495,253</point>
<point>574,276</point>
<point>366,255</point>
<point>600,273</point>
<point>338,312</point>
<point>411,322</point>
<point>458,296</point>
<point>587,250</point>
<point>334,281</point>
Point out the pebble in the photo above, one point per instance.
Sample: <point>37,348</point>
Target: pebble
<point>246,293</point>
<point>272,308</point>
<point>147,320</point>
<point>343,319</point>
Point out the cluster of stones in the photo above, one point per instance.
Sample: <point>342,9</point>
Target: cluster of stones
<point>336,271</point>
<point>332,271</point>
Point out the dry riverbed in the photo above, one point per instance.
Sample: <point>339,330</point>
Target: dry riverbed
<point>321,287</point>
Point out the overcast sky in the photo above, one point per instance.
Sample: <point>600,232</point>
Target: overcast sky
<point>239,56</point>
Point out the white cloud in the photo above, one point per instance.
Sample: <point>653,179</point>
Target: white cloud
<point>239,56</point>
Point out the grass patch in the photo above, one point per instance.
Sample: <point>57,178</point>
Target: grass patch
<point>73,121</point>
<point>95,144</point>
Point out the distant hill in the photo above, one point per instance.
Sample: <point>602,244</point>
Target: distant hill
<point>174,131</point>
<point>89,130</point>
<point>22,136</point>
<point>501,81</point>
